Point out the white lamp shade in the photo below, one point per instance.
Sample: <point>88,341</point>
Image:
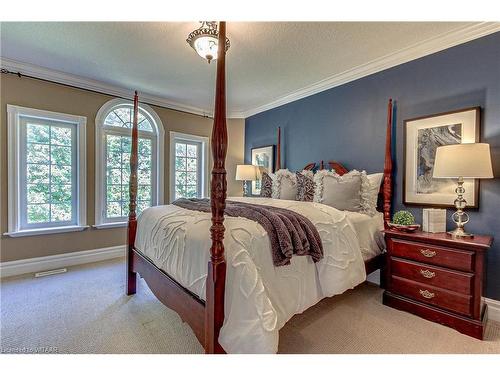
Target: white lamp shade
<point>247,172</point>
<point>469,160</point>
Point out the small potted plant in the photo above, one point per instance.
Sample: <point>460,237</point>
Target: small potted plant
<point>404,221</point>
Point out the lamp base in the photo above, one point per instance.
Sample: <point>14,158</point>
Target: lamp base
<point>246,189</point>
<point>460,233</point>
<point>460,217</point>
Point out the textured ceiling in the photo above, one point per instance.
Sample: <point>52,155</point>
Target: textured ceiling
<point>266,61</point>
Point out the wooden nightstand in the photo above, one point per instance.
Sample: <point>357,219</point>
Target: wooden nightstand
<point>438,278</point>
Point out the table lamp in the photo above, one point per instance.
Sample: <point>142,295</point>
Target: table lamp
<point>464,160</point>
<point>247,173</point>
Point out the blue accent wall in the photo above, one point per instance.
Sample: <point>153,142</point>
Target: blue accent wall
<point>347,123</point>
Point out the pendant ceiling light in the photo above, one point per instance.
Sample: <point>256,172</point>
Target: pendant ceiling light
<point>204,40</point>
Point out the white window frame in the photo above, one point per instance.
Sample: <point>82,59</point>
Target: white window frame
<point>157,157</point>
<point>14,114</point>
<point>205,145</point>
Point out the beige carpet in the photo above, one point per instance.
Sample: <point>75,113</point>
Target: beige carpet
<point>86,311</point>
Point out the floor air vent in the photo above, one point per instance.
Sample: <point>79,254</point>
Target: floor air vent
<point>51,272</point>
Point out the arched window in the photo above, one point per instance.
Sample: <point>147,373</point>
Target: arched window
<point>113,143</point>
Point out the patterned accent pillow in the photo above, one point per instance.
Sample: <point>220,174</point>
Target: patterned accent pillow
<point>305,186</point>
<point>266,186</point>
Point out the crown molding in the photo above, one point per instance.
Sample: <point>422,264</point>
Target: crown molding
<point>418,50</point>
<point>413,52</point>
<point>101,87</point>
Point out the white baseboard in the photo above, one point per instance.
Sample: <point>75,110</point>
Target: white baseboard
<point>32,265</point>
<point>493,309</point>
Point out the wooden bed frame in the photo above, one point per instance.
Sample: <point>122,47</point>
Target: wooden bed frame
<point>206,317</point>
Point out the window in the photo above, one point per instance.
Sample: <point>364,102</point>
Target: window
<point>113,145</point>
<point>46,172</point>
<point>188,166</point>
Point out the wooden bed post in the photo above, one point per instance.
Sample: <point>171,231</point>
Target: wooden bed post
<point>216,277</point>
<point>387,192</point>
<point>132,218</point>
<point>278,151</point>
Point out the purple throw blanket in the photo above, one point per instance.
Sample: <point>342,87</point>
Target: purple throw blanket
<point>289,232</point>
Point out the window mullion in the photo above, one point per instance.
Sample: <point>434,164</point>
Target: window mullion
<point>75,210</point>
<point>121,176</point>
<point>104,175</point>
<point>23,188</point>
<point>117,115</point>
<point>50,174</point>
<point>185,170</point>
<point>198,170</point>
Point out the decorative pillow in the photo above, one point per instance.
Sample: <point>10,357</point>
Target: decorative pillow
<point>347,192</point>
<point>284,185</point>
<point>375,180</point>
<point>266,185</point>
<point>305,186</point>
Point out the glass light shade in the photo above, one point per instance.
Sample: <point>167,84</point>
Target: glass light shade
<point>205,40</point>
<point>247,172</point>
<point>207,47</point>
<point>469,160</point>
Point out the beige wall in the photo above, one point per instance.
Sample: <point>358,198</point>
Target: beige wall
<point>33,93</point>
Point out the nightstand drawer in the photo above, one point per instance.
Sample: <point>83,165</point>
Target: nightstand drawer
<point>457,281</point>
<point>432,295</point>
<point>440,256</point>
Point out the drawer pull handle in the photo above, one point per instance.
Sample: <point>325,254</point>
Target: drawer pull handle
<point>427,274</point>
<point>426,294</point>
<point>427,253</point>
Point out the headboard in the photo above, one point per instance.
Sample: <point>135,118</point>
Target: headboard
<point>339,168</point>
<point>385,194</point>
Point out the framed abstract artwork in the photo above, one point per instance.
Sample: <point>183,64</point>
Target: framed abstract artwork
<point>423,136</point>
<point>263,157</point>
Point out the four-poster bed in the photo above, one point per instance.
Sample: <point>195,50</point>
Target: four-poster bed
<point>206,316</point>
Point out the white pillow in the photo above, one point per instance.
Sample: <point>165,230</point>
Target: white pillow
<point>284,185</point>
<point>347,192</point>
<point>375,180</point>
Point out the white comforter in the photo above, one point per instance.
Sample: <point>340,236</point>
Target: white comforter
<point>369,232</point>
<point>259,298</point>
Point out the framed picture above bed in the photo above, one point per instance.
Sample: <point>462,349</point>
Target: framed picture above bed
<point>422,137</point>
<point>263,157</point>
